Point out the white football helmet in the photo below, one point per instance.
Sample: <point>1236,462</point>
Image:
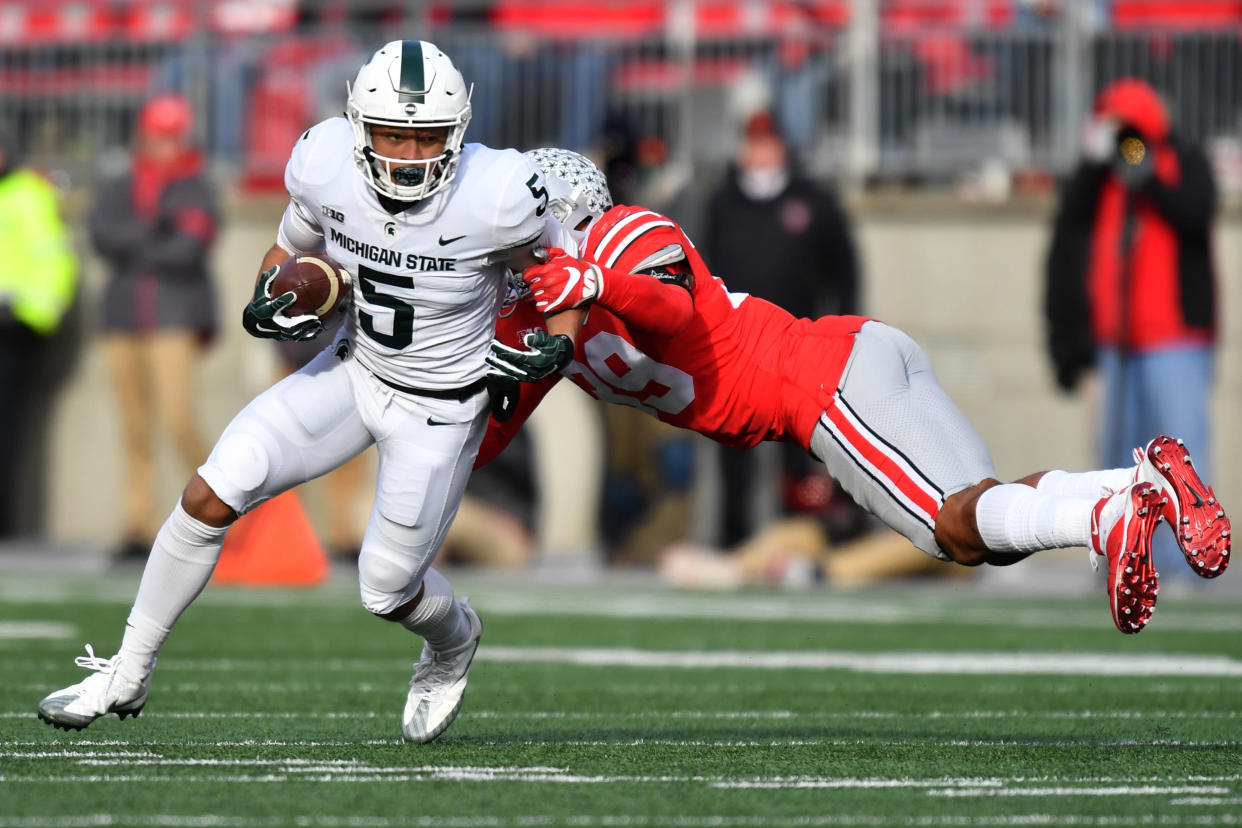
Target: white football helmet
<point>577,190</point>
<point>408,83</point>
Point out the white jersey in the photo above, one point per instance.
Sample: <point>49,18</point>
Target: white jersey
<point>428,280</point>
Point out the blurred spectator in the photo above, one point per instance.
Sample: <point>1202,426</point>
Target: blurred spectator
<point>1131,283</point>
<point>38,277</point>
<point>796,553</point>
<point>154,226</point>
<point>774,233</point>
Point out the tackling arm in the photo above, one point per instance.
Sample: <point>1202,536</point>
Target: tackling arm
<point>510,332</point>
<point>658,300</point>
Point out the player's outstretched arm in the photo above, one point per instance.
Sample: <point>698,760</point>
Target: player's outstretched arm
<point>642,300</point>
<point>510,336</point>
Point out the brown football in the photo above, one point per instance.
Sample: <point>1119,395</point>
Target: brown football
<point>321,284</point>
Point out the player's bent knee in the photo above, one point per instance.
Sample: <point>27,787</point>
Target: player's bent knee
<point>957,531</point>
<point>386,584</point>
<point>201,503</point>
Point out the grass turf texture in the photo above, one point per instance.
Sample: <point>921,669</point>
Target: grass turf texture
<point>275,707</point>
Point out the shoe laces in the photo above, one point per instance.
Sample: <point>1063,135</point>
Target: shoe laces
<point>90,661</point>
<point>433,665</point>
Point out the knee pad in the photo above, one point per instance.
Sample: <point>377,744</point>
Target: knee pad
<point>385,581</point>
<point>237,468</point>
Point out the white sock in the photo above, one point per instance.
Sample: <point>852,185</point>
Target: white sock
<point>181,561</point>
<point>438,618</point>
<point>1017,518</point>
<point>1094,484</point>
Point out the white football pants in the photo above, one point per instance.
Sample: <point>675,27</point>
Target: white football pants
<point>326,413</point>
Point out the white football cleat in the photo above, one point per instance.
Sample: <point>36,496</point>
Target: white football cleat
<point>438,685</point>
<point>107,691</point>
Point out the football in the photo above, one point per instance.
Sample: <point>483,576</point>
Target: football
<point>321,284</point>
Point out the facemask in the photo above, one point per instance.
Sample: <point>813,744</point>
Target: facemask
<point>764,184</point>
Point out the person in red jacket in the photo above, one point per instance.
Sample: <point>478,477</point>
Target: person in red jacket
<point>662,334</point>
<point>1131,287</point>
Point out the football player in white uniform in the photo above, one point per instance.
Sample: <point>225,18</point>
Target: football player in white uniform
<point>427,226</point>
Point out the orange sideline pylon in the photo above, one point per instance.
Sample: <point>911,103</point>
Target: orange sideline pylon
<point>272,545</point>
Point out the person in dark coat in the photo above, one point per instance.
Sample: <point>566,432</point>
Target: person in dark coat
<point>1131,285</point>
<point>774,233</point>
<point>154,226</point>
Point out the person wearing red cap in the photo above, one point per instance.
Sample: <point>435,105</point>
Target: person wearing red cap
<point>1131,287</point>
<point>154,226</point>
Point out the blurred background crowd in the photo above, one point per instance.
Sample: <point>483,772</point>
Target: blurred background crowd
<point>897,158</point>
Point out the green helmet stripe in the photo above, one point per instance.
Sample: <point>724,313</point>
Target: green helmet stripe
<point>412,84</point>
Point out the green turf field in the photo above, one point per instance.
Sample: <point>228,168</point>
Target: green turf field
<point>621,704</point>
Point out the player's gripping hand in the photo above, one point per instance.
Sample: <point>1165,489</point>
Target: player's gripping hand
<point>563,282</point>
<point>264,317</point>
<point>545,354</point>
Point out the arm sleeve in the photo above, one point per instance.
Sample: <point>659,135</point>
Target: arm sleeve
<point>1190,204</point>
<point>299,231</point>
<point>648,302</point>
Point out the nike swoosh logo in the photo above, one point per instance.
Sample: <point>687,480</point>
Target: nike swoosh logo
<point>1195,495</point>
<point>432,422</point>
<point>450,240</point>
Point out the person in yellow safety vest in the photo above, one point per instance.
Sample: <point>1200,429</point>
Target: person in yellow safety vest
<point>38,281</point>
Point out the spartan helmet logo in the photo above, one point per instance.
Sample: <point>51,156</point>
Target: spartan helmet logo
<point>390,229</point>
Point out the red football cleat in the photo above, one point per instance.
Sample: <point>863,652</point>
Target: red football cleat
<point>1121,528</point>
<point>1191,507</point>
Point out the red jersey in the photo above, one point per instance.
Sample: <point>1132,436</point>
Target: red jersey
<point>733,367</point>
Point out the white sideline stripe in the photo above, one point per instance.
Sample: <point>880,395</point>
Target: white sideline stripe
<point>964,663</point>
<point>917,607</point>
<point>36,629</point>
<point>922,662</point>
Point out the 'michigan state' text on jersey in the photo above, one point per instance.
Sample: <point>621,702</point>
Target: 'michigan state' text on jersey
<point>427,279</point>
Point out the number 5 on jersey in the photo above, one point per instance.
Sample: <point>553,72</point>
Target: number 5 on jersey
<point>402,312</point>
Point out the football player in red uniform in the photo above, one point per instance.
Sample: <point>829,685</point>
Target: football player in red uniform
<point>664,335</point>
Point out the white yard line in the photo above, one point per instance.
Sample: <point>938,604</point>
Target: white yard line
<point>935,604</point>
<point>914,661</point>
<point>36,629</point>
<point>959,663</point>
